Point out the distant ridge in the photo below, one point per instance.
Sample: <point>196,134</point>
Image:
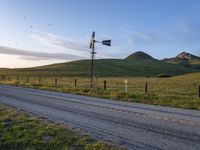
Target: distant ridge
<point>185,59</point>
<point>4,68</point>
<point>137,64</point>
<point>184,56</point>
<point>139,55</point>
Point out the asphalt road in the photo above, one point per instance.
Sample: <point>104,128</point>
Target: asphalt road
<point>136,126</point>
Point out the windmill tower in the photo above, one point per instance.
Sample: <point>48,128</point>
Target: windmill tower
<point>93,78</point>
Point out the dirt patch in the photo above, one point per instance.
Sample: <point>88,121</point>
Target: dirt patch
<point>8,123</point>
<point>47,138</point>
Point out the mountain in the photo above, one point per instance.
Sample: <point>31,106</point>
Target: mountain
<point>186,56</point>
<point>139,56</point>
<point>137,64</point>
<point>185,59</point>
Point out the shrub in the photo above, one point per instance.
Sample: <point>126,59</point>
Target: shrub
<point>164,75</point>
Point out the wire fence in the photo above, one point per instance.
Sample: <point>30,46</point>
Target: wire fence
<point>154,86</point>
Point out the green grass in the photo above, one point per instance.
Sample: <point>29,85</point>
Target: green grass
<point>20,131</point>
<point>194,63</point>
<point>104,68</point>
<point>180,91</point>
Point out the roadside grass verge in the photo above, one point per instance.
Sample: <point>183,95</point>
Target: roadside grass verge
<point>21,131</point>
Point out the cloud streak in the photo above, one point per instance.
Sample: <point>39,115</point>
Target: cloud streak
<point>185,33</point>
<point>55,41</point>
<point>136,37</point>
<point>33,55</point>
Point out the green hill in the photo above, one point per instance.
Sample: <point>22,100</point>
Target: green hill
<point>3,69</point>
<point>105,68</point>
<point>139,56</point>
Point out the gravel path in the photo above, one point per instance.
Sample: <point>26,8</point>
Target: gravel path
<point>136,126</point>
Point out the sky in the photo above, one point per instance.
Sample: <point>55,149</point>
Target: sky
<point>40,32</point>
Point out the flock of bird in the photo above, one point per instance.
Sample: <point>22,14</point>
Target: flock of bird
<point>32,27</point>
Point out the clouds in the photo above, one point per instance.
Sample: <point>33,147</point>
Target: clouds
<point>32,55</point>
<point>78,47</point>
<point>61,48</point>
<point>183,33</point>
<point>136,37</point>
<point>56,42</point>
<point>188,32</point>
<point>67,49</point>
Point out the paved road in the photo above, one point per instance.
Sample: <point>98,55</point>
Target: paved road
<point>136,126</point>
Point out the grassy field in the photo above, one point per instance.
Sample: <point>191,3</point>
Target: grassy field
<point>181,91</point>
<point>21,131</point>
<point>194,63</point>
<point>116,68</point>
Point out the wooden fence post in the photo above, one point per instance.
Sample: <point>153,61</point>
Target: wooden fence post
<point>104,85</point>
<point>146,88</point>
<point>199,90</point>
<point>56,81</point>
<point>75,82</point>
<point>17,78</point>
<point>27,79</point>
<point>39,80</point>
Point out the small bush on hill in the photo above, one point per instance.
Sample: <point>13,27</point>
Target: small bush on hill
<point>164,75</point>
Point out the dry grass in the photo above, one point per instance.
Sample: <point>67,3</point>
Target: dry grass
<point>181,91</point>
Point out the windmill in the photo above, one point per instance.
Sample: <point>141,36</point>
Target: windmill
<point>92,46</point>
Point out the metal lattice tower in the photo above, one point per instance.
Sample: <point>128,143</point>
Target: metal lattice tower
<point>92,46</point>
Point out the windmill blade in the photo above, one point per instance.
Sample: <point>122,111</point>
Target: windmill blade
<point>92,40</point>
<point>93,35</point>
<point>106,42</point>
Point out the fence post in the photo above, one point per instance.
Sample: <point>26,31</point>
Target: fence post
<point>27,79</point>
<point>56,81</point>
<point>17,78</point>
<point>75,82</point>
<point>146,88</point>
<point>104,85</point>
<point>39,80</point>
<point>199,90</point>
<point>8,78</point>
